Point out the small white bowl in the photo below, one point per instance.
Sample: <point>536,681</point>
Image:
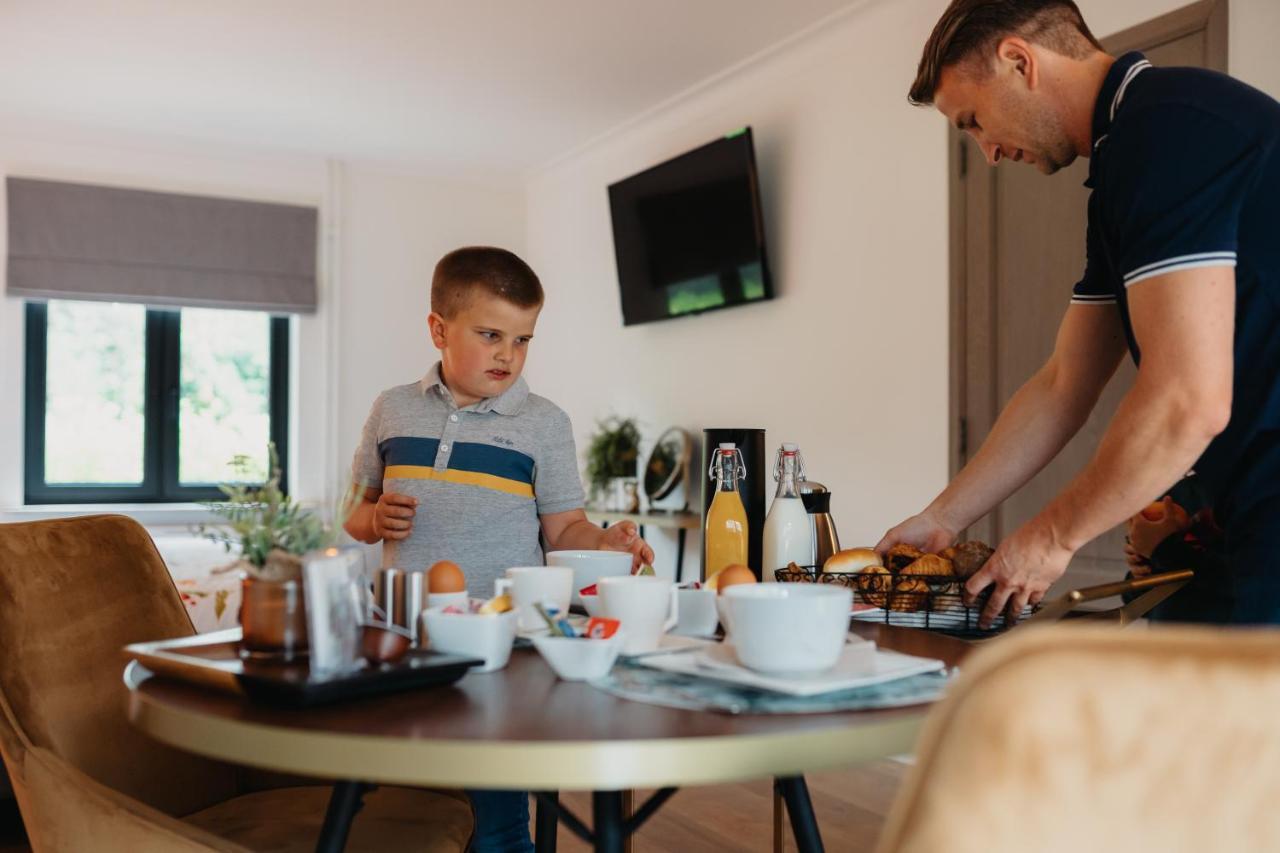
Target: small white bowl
<point>577,658</point>
<point>590,566</point>
<point>479,635</point>
<point>591,604</point>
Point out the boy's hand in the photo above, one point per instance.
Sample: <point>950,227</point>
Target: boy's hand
<point>1145,535</point>
<point>624,536</point>
<point>393,516</point>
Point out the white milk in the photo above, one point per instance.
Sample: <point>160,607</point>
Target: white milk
<point>788,537</point>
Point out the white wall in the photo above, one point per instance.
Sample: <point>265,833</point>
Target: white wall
<point>381,235</point>
<point>851,360</point>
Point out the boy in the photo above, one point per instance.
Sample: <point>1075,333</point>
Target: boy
<point>467,465</point>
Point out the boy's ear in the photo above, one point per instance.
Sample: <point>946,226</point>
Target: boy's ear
<point>435,325</point>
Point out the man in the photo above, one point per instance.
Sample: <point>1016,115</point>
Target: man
<point>1183,268</point>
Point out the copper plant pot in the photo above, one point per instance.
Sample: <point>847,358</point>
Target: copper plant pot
<point>273,617</point>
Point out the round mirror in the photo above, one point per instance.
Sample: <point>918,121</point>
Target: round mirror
<point>667,462</point>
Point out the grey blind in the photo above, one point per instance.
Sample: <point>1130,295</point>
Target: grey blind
<point>76,241</point>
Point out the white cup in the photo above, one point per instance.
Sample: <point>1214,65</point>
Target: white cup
<point>590,566</point>
<point>697,616</point>
<point>444,599</point>
<point>790,628</point>
<point>530,585</point>
<point>646,606</point>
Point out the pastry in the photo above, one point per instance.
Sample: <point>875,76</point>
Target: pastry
<point>909,595</point>
<point>969,557</point>
<point>931,566</point>
<point>900,556</point>
<point>874,583</point>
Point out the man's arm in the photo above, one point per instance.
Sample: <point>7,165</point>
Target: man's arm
<point>566,531</point>
<point>1184,323</point>
<point>1034,426</point>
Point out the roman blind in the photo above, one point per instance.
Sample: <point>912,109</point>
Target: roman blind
<point>79,241</point>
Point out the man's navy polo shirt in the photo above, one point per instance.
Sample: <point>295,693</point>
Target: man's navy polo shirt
<point>1185,173</point>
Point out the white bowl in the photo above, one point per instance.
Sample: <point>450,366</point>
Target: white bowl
<point>591,604</point>
<point>589,566</point>
<point>579,659</point>
<point>479,635</point>
<point>788,627</point>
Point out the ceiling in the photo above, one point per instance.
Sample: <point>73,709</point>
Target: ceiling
<point>474,85</point>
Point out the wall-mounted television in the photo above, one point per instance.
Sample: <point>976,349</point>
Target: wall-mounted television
<point>688,234</point>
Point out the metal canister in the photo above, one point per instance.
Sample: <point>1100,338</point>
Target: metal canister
<point>401,594</point>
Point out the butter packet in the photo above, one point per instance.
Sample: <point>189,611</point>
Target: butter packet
<point>497,604</point>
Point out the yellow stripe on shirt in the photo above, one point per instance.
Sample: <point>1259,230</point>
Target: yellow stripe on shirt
<point>463,478</point>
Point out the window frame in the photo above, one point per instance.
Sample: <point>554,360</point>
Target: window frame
<point>161,396</point>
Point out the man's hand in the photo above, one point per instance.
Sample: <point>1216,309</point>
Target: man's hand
<point>393,516</point>
<point>1022,569</point>
<point>624,536</point>
<point>924,531</point>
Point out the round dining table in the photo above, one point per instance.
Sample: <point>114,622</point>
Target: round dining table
<point>522,728</point>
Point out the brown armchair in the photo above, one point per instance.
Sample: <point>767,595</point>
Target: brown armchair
<point>73,593</point>
<point>1067,739</point>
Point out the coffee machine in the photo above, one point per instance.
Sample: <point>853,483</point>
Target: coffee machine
<point>752,488</point>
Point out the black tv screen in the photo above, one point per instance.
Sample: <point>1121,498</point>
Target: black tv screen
<point>688,234</point>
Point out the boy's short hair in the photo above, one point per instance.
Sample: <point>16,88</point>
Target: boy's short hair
<point>463,272</point>
<point>969,27</point>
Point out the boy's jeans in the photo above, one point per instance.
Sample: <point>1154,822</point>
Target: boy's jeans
<point>502,822</point>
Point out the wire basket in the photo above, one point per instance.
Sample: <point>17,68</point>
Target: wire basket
<point>910,601</point>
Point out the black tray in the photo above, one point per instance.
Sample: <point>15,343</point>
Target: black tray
<point>214,660</point>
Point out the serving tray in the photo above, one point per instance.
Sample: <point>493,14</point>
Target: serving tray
<point>213,660</point>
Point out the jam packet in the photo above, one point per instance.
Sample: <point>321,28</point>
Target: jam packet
<point>600,628</point>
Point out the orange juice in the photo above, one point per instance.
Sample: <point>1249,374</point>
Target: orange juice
<point>726,534</point>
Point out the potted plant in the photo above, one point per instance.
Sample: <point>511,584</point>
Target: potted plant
<point>612,455</point>
<point>271,533</point>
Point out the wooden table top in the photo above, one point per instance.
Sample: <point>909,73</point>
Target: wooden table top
<point>523,727</point>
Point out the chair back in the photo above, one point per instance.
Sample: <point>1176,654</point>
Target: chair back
<point>73,593</point>
<point>1070,738</point>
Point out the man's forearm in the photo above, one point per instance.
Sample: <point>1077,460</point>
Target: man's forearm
<point>1157,434</point>
<point>1035,425</point>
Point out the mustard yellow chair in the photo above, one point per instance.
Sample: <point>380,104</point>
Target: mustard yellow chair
<point>73,593</point>
<point>1070,739</point>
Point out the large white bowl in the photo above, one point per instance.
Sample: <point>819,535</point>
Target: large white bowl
<point>577,658</point>
<point>788,627</point>
<point>479,635</point>
<point>589,566</point>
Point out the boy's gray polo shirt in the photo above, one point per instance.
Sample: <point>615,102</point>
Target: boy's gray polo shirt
<point>482,475</point>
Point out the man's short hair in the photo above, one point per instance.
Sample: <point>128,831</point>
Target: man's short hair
<point>970,28</point>
<point>463,272</point>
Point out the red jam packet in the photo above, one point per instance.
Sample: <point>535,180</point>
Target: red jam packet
<point>588,590</point>
<point>599,628</point>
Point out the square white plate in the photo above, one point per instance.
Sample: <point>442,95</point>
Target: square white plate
<point>861,664</point>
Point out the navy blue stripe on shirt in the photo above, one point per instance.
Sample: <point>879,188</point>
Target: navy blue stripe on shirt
<point>1181,262</point>
<point>487,459</point>
<point>465,456</point>
<point>406,450</point>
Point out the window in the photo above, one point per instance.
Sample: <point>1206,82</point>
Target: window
<point>133,404</point>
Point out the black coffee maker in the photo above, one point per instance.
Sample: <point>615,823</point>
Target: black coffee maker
<point>752,487</point>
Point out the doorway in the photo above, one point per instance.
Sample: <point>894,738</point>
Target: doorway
<point>1017,248</point>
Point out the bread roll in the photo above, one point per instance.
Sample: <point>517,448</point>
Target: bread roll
<point>852,560</point>
<point>969,557</point>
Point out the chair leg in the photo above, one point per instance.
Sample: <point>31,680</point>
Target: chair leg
<point>345,801</point>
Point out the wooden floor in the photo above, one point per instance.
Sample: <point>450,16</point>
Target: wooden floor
<point>851,806</point>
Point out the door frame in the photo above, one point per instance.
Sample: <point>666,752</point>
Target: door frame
<point>973,324</point>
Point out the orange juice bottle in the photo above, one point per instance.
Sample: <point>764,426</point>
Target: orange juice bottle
<point>726,533</point>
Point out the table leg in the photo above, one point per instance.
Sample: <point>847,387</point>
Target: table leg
<point>680,537</point>
<point>347,799</point>
<point>546,823</point>
<point>609,829</point>
<point>779,843</point>
<point>803,823</point>
<point>628,809</point>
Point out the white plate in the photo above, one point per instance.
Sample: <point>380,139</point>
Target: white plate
<point>861,664</point>
<point>672,644</point>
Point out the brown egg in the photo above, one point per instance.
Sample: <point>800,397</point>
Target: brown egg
<point>732,576</point>
<point>445,576</point>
